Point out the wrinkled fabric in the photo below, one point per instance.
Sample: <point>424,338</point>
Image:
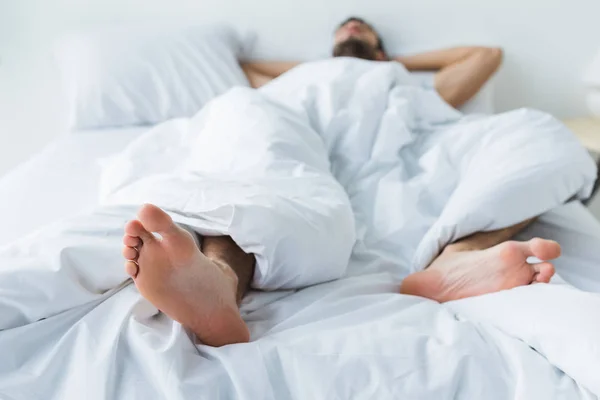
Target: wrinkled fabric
<point>343,176</point>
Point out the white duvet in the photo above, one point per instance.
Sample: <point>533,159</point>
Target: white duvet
<point>411,175</point>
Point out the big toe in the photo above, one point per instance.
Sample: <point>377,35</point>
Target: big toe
<point>545,249</point>
<point>178,243</point>
<point>135,229</point>
<point>156,220</point>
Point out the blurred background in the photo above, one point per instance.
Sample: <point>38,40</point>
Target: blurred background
<point>548,45</point>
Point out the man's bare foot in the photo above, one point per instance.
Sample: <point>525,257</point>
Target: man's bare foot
<point>457,274</point>
<point>178,279</point>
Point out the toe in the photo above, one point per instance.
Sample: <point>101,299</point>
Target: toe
<point>156,220</point>
<point>131,241</point>
<point>131,269</point>
<point>544,249</point>
<point>130,253</point>
<point>136,229</point>
<point>543,272</point>
<point>540,248</point>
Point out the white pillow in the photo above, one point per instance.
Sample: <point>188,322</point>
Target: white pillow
<point>143,75</point>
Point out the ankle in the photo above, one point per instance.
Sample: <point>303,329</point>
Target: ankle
<point>223,250</point>
<point>230,273</point>
<point>226,268</point>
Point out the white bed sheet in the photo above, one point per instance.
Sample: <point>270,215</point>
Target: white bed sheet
<point>59,181</point>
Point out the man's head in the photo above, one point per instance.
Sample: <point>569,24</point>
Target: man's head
<point>356,38</point>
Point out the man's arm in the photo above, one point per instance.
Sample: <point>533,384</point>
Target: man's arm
<point>462,71</point>
<point>261,73</point>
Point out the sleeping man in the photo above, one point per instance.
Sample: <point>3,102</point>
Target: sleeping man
<point>200,281</point>
<point>461,71</point>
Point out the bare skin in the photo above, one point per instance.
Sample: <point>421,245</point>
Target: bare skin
<point>460,71</point>
<point>483,263</point>
<point>200,292</point>
<point>202,289</point>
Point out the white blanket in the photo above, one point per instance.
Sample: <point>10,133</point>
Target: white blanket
<point>413,176</point>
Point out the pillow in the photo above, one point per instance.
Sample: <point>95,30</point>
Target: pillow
<point>123,76</point>
<point>481,103</point>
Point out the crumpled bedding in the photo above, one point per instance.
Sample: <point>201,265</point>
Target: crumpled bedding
<point>342,177</point>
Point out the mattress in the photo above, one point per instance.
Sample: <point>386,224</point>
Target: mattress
<point>59,181</point>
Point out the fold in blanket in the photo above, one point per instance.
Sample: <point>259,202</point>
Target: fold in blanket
<point>338,168</point>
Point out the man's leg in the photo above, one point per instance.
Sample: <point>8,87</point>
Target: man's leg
<point>484,262</point>
<point>222,249</point>
<point>268,169</point>
<point>201,290</point>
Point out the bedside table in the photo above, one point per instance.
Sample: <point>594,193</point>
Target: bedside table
<point>587,131</point>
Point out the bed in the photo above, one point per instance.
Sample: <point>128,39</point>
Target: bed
<point>355,337</point>
<point>59,181</point>
<point>287,363</point>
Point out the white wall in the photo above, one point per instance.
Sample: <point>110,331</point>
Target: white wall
<point>547,45</point>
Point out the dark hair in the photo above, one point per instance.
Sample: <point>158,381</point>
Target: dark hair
<point>362,21</point>
<point>355,48</point>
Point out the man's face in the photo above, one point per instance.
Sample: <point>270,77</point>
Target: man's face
<point>356,29</point>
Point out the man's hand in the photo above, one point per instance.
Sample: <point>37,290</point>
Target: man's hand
<point>462,71</point>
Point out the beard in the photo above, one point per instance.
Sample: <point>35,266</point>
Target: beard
<point>354,47</point>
